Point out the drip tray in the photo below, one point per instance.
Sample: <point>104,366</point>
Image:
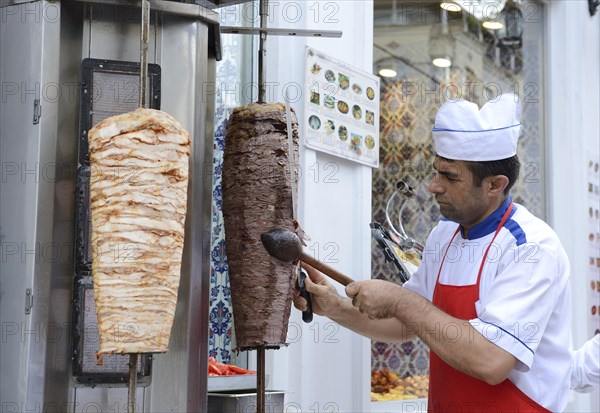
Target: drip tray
<point>239,382</point>
<point>244,401</point>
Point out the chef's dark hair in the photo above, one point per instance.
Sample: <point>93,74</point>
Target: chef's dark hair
<point>480,170</point>
<point>508,167</point>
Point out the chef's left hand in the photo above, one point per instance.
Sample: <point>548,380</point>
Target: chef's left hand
<point>377,299</point>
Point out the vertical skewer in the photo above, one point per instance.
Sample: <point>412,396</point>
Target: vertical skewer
<point>260,380</point>
<point>262,92</point>
<point>262,51</point>
<point>144,33</point>
<point>145,29</point>
<point>133,358</point>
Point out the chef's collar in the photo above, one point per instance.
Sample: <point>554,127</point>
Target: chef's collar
<point>490,224</point>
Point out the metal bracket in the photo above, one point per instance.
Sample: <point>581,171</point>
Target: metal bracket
<point>37,111</point>
<point>592,6</point>
<point>28,300</point>
<point>282,32</point>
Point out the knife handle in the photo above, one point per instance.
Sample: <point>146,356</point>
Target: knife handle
<point>307,315</point>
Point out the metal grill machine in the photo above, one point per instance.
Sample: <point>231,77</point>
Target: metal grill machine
<point>65,66</point>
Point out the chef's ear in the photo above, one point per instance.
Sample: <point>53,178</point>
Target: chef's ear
<point>496,184</point>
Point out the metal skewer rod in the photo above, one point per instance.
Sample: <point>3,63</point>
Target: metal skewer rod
<point>260,380</point>
<point>145,29</point>
<point>144,32</point>
<point>262,51</point>
<point>133,358</point>
<point>262,92</point>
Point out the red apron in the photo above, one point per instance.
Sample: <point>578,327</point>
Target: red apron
<point>453,391</point>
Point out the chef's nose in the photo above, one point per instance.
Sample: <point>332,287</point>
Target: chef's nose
<point>435,186</point>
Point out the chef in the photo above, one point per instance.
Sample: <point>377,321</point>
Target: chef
<point>585,376</point>
<point>491,298</point>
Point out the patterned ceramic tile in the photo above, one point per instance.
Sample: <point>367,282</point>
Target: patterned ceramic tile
<point>220,310</point>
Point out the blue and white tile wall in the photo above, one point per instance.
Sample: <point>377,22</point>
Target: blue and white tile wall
<point>220,311</point>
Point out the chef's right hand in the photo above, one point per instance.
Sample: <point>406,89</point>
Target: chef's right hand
<point>324,296</point>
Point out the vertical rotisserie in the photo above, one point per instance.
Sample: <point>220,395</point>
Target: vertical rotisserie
<point>257,196</point>
<point>138,190</point>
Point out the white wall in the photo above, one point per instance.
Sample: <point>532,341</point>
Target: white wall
<point>573,112</point>
<point>326,368</point>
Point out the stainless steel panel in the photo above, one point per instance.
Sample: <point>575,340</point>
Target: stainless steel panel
<point>169,7</point>
<point>114,33</point>
<point>179,376</point>
<point>63,123</point>
<point>20,75</point>
<point>201,314</point>
<point>90,400</point>
<point>29,63</point>
<point>244,402</point>
<point>193,11</point>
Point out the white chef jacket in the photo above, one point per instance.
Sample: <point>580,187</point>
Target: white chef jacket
<point>524,302</point>
<point>586,366</point>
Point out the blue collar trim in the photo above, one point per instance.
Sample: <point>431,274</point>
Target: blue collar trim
<point>474,131</point>
<point>489,225</point>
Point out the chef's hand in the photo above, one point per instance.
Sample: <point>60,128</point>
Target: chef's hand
<point>324,296</point>
<point>377,299</point>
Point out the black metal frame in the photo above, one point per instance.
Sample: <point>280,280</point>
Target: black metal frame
<point>108,379</point>
<point>88,67</point>
<point>83,263</point>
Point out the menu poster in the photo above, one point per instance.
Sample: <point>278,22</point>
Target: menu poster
<point>593,205</point>
<point>341,109</point>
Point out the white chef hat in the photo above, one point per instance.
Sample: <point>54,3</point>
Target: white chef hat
<point>463,132</point>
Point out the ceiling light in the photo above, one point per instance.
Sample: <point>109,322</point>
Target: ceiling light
<point>450,6</point>
<point>492,25</point>
<point>482,10</point>
<point>387,73</point>
<point>442,62</point>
